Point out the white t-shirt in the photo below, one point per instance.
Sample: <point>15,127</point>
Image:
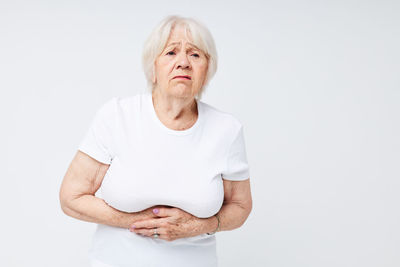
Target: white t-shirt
<point>151,164</point>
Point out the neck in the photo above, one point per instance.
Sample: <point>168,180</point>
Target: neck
<point>175,112</point>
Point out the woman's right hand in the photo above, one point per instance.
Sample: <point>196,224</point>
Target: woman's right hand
<point>147,213</point>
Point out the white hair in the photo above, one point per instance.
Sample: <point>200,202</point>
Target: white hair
<point>157,40</point>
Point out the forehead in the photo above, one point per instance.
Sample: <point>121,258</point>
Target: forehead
<point>180,32</point>
<point>178,35</point>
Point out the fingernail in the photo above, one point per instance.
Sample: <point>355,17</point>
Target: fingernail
<point>133,227</point>
<point>155,210</point>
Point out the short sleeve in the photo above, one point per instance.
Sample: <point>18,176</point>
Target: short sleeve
<point>98,140</point>
<point>237,167</point>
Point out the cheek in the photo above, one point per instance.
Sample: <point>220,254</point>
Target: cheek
<point>162,67</point>
<point>204,67</point>
<point>203,72</point>
<point>161,73</point>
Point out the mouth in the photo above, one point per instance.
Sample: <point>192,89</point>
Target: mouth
<point>186,77</point>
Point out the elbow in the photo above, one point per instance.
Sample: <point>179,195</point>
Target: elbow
<point>250,206</point>
<point>67,207</point>
<point>66,210</point>
<point>248,211</point>
<point>65,202</point>
<point>247,208</point>
<point>243,212</point>
<point>64,205</point>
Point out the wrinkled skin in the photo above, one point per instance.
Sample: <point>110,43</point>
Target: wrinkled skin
<point>171,223</point>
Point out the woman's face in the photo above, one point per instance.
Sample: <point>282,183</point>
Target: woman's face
<point>180,58</point>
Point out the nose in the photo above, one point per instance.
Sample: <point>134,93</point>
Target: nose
<point>182,61</point>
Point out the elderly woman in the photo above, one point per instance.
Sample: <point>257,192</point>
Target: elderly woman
<point>172,169</point>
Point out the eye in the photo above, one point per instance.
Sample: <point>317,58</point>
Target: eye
<point>171,53</point>
<point>196,55</point>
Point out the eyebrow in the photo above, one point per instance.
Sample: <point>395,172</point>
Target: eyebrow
<point>175,43</point>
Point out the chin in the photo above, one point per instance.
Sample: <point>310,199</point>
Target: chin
<point>181,91</point>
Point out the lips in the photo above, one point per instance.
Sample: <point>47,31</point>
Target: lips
<point>187,77</point>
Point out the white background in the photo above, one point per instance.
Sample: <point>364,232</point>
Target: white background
<point>315,83</point>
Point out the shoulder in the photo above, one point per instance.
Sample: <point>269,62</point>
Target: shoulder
<point>116,104</point>
<point>222,120</point>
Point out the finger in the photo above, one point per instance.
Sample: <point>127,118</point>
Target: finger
<point>164,212</point>
<point>149,223</point>
<point>150,232</point>
<point>150,215</point>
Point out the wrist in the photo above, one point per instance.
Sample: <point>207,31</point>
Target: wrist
<point>128,219</point>
<point>216,224</point>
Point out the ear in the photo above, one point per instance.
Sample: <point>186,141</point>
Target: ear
<point>153,74</point>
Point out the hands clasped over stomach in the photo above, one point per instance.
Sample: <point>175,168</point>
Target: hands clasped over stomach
<point>170,223</point>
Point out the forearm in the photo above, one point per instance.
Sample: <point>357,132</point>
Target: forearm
<point>93,209</point>
<point>231,216</point>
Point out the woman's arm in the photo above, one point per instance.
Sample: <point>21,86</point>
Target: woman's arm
<point>77,195</point>
<point>237,205</point>
<point>174,223</point>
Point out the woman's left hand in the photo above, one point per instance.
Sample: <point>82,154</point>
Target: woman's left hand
<point>172,223</point>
